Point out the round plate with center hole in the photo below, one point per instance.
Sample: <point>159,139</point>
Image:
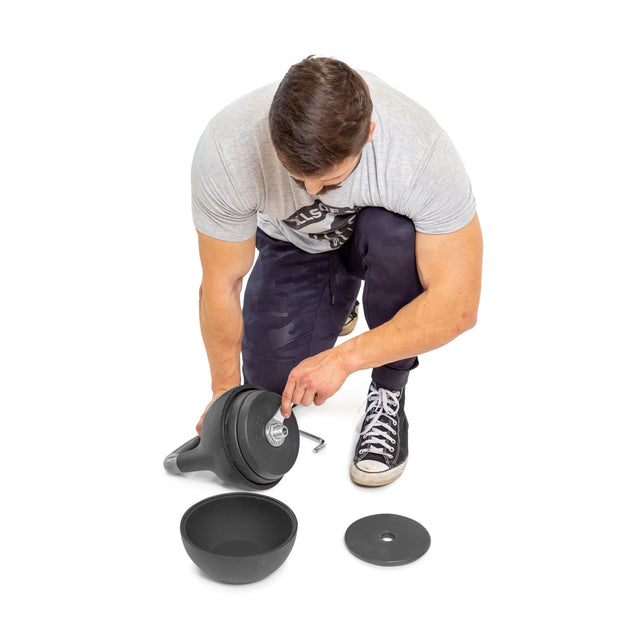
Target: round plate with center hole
<point>269,462</point>
<point>387,539</point>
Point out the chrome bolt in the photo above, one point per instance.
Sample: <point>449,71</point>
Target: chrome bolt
<point>276,433</point>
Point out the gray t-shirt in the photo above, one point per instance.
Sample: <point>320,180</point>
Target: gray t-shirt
<point>409,167</point>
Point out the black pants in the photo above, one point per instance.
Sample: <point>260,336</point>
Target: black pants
<point>296,303</point>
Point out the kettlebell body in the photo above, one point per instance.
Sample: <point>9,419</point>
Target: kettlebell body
<point>240,442</point>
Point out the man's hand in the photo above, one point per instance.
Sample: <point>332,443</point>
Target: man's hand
<point>314,380</point>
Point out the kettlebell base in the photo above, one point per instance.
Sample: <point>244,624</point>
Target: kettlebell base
<point>238,538</point>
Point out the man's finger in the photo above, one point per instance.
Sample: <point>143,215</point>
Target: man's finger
<point>287,402</point>
<point>308,397</point>
<point>297,397</point>
<point>199,425</point>
<point>318,400</point>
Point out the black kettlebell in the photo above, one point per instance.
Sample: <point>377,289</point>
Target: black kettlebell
<point>243,440</point>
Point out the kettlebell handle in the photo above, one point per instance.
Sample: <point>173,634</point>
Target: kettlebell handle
<point>187,462</point>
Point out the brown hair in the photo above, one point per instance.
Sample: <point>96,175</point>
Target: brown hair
<point>320,116</point>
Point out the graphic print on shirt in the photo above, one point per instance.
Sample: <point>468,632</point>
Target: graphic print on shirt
<point>333,224</point>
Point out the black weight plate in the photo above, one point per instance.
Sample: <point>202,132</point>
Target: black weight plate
<point>215,441</point>
<point>231,437</point>
<point>387,539</point>
<point>263,458</point>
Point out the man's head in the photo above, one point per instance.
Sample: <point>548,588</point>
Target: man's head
<point>320,119</point>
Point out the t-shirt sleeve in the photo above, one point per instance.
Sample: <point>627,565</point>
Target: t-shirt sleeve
<point>218,204</point>
<point>440,199</point>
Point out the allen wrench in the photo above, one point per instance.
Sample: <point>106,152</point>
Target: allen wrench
<point>318,439</point>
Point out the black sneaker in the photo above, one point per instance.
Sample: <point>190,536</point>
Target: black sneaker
<point>351,321</point>
<point>382,450</point>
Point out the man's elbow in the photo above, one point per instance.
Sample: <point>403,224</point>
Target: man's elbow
<point>224,287</point>
<point>467,319</point>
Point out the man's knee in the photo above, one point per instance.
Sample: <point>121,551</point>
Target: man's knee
<point>382,239</point>
<point>378,228</point>
<point>265,369</point>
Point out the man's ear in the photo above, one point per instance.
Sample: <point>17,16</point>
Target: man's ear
<point>373,126</point>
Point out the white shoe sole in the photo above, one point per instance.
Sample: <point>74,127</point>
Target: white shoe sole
<point>350,324</point>
<point>377,478</point>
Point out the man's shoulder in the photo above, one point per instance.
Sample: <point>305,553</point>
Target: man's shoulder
<point>402,118</point>
<point>246,112</point>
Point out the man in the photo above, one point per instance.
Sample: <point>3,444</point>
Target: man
<point>337,179</point>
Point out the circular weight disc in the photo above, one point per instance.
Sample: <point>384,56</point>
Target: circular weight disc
<point>216,444</point>
<point>231,438</point>
<point>387,539</point>
<point>267,461</point>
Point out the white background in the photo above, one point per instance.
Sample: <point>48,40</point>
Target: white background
<point>524,431</point>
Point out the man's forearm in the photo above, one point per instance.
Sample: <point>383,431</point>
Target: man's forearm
<point>425,324</point>
<point>450,270</point>
<point>221,327</point>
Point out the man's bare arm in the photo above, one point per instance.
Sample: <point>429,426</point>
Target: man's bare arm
<point>224,265</point>
<point>450,268</point>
